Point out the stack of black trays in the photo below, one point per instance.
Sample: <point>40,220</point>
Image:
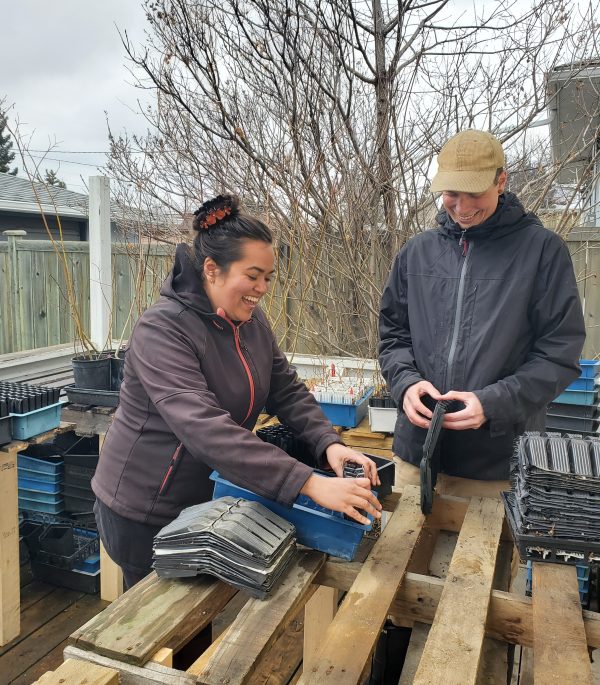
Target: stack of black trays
<point>573,418</point>
<point>5,433</point>
<point>553,508</point>
<point>238,541</point>
<point>80,457</point>
<point>22,398</point>
<point>283,437</point>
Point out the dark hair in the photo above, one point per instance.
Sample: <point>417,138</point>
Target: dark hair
<point>221,230</point>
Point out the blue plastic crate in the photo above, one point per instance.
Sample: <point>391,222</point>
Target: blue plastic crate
<point>49,465</point>
<point>577,397</point>
<point>44,497</point>
<point>35,422</point>
<point>584,384</point>
<point>39,485</point>
<point>43,507</point>
<point>321,529</point>
<point>589,367</point>
<point>347,415</point>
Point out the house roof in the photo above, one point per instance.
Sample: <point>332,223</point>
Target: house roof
<point>21,195</point>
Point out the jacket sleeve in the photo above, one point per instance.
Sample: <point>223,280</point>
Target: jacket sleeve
<point>166,363</point>
<point>396,357</point>
<point>296,406</point>
<point>556,318</point>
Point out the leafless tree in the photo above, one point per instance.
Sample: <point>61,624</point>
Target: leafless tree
<point>326,115</point>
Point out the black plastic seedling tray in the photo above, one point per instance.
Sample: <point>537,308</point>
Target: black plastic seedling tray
<point>582,411</point>
<point>547,548</point>
<point>102,398</point>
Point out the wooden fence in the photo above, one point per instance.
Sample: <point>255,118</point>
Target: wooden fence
<point>34,308</point>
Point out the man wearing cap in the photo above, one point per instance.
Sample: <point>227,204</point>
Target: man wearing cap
<point>484,310</point>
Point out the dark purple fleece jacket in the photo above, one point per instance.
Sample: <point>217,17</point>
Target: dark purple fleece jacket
<point>193,387</point>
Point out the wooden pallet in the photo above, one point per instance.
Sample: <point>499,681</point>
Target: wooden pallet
<point>9,532</point>
<point>363,439</point>
<point>264,640</point>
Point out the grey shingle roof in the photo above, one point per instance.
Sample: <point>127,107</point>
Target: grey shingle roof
<point>18,194</point>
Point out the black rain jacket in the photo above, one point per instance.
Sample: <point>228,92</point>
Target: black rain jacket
<point>493,310</point>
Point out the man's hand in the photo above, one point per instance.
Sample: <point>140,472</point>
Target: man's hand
<point>343,494</point>
<point>471,416</point>
<point>338,455</point>
<point>416,412</point>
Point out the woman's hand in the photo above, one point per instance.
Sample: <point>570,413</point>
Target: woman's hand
<point>338,455</point>
<point>343,494</point>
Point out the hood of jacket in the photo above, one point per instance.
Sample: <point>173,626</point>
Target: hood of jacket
<point>510,216</point>
<point>184,283</point>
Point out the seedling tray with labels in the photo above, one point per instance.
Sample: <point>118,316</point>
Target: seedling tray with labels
<point>347,415</point>
<point>316,527</point>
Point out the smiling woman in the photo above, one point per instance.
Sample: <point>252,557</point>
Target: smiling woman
<point>201,364</point>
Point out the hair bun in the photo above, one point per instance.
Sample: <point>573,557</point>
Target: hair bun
<point>215,210</point>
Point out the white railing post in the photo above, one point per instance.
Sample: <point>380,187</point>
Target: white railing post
<point>100,261</point>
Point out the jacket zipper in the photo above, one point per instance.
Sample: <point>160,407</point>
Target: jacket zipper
<point>236,336</point>
<point>466,253</point>
<point>172,463</point>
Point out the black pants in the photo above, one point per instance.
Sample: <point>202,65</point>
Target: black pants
<point>128,543</point>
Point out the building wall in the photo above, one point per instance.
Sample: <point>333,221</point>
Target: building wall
<point>72,229</point>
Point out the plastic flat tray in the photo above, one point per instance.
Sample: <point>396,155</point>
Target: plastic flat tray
<point>570,423</point>
<point>347,415</point>
<point>43,497</point>
<point>5,431</point>
<point>584,384</point>
<point>74,579</point>
<point>102,398</point>
<point>50,465</point>
<point>38,485</point>
<point>589,367</point>
<point>46,508</point>
<point>577,397</point>
<point>35,422</point>
<point>580,411</point>
<point>318,528</point>
<point>40,476</point>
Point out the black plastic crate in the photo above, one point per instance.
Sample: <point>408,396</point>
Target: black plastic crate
<point>84,493</point>
<point>83,544</point>
<point>71,579</point>
<point>582,411</point>
<point>571,423</point>
<point>78,505</point>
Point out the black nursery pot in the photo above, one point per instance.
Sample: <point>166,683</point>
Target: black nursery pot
<point>117,366</point>
<point>92,372</point>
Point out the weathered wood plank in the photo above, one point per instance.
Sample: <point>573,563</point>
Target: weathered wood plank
<point>10,619</point>
<point>260,623</point>
<point>153,614</point>
<point>352,635</point>
<point>318,614</point>
<point>75,672</point>
<point>466,595</point>
<point>559,643</point>
<point>129,674</point>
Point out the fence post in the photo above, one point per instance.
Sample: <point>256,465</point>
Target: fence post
<point>15,288</point>
<point>100,262</point>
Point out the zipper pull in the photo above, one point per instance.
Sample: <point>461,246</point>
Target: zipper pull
<point>464,244</point>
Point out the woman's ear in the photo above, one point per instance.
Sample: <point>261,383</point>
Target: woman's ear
<point>210,269</point>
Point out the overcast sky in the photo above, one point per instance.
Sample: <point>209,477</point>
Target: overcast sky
<point>63,68</point>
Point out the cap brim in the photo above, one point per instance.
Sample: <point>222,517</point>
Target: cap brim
<point>463,181</point>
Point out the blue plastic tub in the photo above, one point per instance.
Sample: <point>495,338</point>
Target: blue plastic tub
<point>39,485</point>
<point>584,384</point>
<point>347,415</point>
<point>589,367</point>
<point>51,466</point>
<point>37,496</point>
<point>318,528</point>
<point>44,507</point>
<point>577,397</point>
<point>35,422</point>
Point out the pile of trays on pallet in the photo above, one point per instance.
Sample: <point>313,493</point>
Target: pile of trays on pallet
<point>240,542</point>
<point>553,508</point>
<point>61,551</point>
<point>576,409</point>
<point>27,410</point>
<point>54,477</point>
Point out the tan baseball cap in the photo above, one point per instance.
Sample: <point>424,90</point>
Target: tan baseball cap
<point>468,162</point>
